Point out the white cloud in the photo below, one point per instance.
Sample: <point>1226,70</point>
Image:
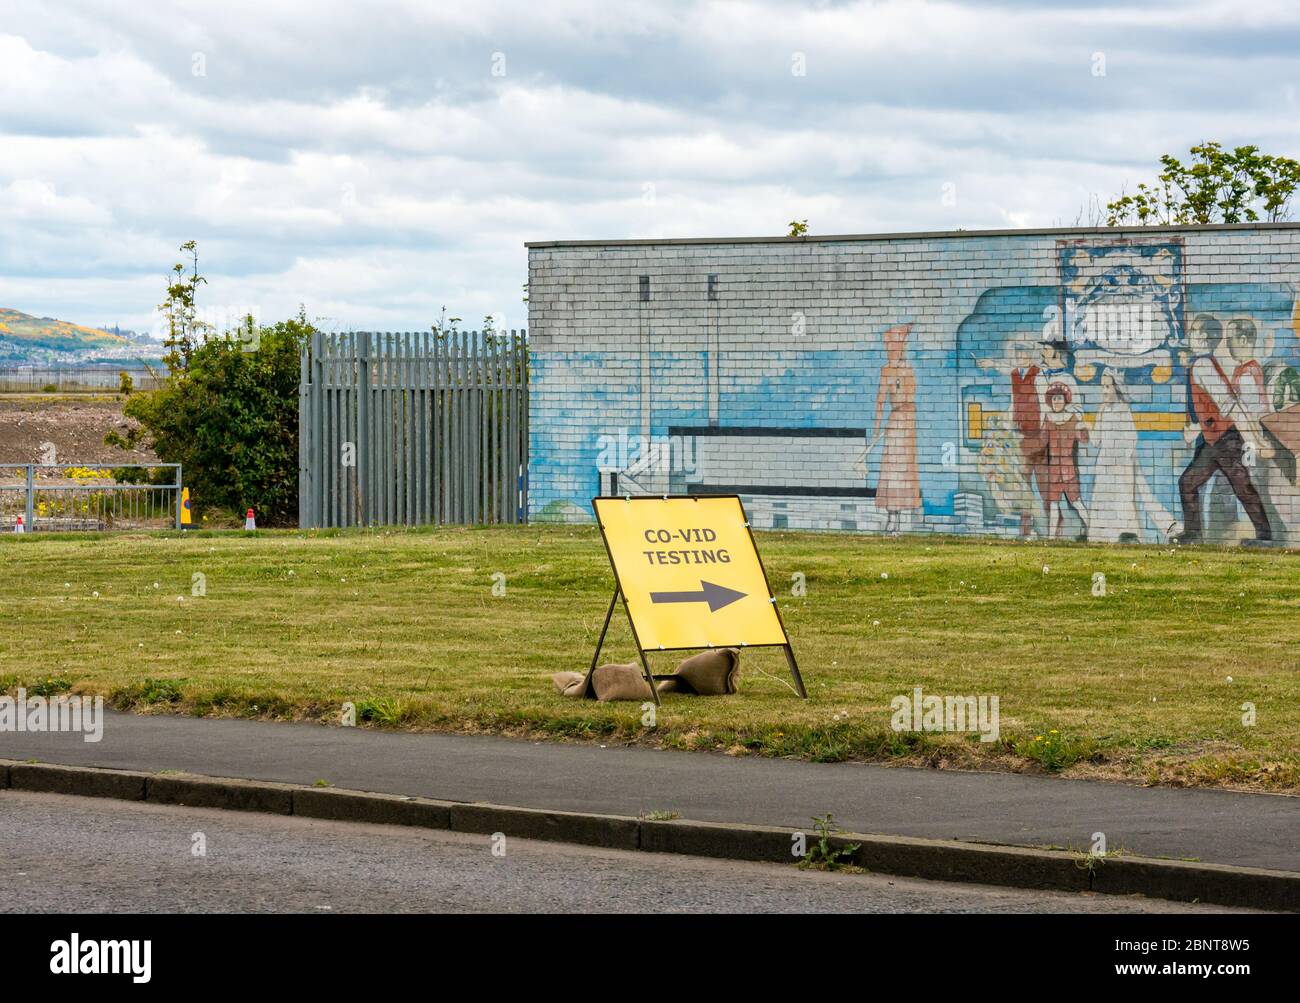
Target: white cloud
<point>30,201</point>
<point>365,162</point>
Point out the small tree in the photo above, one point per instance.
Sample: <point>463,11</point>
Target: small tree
<point>180,312</point>
<point>1216,186</point>
<point>228,407</point>
<point>445,325</point>
<point>230,418</point>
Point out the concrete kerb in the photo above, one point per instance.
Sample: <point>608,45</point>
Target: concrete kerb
<point>381,809</point>
<point>1194,881</point>
<point>985,863</point>
<point>613,832</point>
<point>209,792</point>
<point>719,839</point>
<point>83,781</point>
<point>932,859</point>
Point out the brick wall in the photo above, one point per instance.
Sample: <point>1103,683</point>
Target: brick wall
<point>929,382</point>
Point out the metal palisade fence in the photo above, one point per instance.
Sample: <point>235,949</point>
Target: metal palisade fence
<point>413,428</point>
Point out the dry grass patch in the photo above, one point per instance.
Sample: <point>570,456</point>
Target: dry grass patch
<point>1145,683</point>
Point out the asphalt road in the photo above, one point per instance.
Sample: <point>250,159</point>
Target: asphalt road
<point>87,855</point>
<point>1225,827</point>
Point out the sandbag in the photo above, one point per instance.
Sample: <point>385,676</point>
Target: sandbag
<point>570,684</point>
<point>620,682</point>
<point>708,674</point>
<point>605,683</point>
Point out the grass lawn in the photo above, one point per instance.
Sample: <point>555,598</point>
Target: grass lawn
<point>1145,683</point>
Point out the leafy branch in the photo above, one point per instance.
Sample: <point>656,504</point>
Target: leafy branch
<point>1216,186</point>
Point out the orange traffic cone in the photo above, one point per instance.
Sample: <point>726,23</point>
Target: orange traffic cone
<point>249,521</point>
<point>18,526</point>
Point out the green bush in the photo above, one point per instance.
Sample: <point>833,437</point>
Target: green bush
<point>230,418</point>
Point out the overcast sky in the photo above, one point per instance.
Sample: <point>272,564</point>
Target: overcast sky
<point>375,161</point>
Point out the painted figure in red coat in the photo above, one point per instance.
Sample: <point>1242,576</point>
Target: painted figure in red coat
<point>1063,431</point>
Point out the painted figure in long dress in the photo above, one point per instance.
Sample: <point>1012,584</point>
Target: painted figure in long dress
<point>898,487</point>
<point>1122,500</point>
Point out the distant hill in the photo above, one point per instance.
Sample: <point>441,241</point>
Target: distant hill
<point>22,334</point>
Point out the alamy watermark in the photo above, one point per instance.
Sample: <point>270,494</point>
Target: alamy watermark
<point>667,454</point>
<point>61,713</point>
<point>75,956</point>
<point>946,713</point>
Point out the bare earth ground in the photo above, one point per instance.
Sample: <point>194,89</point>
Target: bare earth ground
<point>74,423</point>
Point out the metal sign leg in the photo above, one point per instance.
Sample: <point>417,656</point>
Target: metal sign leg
<point>649,676</point>
<point>603,631</point>
<point>645,664</point>
<point>794,671</point>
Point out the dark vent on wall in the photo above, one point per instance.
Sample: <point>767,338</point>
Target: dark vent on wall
<point>645,288</point>
<point>713,287</point>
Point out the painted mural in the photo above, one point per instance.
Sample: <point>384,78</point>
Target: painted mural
<point>898,482</point>
<point>1140,410</point>
<point>1120,403</point>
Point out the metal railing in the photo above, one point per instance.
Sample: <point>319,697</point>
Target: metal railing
<point>79,497</point>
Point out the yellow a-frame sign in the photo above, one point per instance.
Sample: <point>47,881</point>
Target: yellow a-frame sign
<point>689,574</point>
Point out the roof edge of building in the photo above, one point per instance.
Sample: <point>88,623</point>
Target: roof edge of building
<point>917,235</point>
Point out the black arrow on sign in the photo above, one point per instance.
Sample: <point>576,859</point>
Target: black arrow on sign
<point>716,596</point>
